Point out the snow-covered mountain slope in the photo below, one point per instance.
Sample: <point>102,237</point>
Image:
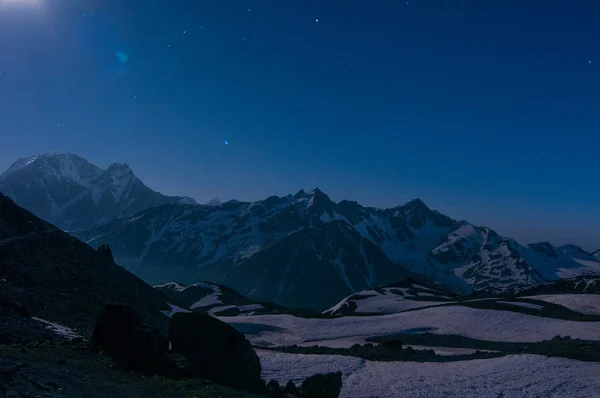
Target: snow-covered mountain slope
<point>390,299</point>
<point>580,284</point>
<point>509,324</point>
<point>70,192</point>
<point>275,249</point>
<point>216,300</point>
<point>295,251</point>
<point>588,304</point>
<point>596,254</point>
<point>410,295</point>
<point>483,259</point>
<point>567,261</point>
<point>509,376</point>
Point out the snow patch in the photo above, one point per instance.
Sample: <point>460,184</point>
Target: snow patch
<point>483,324</point>
<point>174,309</point>
<point>583,303</point>
<point>521,304</point>
<point>509,376</point>
<point>61,330</point>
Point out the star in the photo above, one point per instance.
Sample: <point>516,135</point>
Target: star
<point>317,20</point>
<point>225,142</point>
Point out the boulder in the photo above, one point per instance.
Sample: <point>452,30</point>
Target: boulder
<point>290,389</point>
<point>274,390</point>
<point>216,350</point>
<point>327,385</point>
<point>119,332</point>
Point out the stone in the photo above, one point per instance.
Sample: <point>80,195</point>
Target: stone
<point>291,389</point>
<point>327,385</point>
<point>119,332</point>
<point>218,351</point>
<point>105,249</point>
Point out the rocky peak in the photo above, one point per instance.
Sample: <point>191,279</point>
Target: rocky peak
<point>544,248</point>
<point>319,201</point>
<point>119,174</point>
<point>417,213</point>
<point>572,248</point>
<point>416,205</point>
<point>300,194</point>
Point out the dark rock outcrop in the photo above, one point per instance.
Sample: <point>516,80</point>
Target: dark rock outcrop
<point>215,350</point>
<point>290,389</point>
<point>274,390</point>
<point>105,249</point>
<point>327,385</point>
<point>121,334</point>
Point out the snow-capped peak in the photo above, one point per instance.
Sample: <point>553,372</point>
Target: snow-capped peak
<point>120,167</point>
<point>319,200</point>
<point>214,202</point>
<point>56,166</point>
<point>187,200</point>
<point>72,193</point>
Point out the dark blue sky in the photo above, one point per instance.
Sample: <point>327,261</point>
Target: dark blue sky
<point>487,110</point>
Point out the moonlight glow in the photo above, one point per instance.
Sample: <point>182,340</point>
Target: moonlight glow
<point>19,2</point>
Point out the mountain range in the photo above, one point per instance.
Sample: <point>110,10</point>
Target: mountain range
<point>301,251</point>
<point>72,193</point>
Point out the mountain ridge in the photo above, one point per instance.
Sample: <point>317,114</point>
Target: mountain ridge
<point>272,250</point>
<point>72,193</point>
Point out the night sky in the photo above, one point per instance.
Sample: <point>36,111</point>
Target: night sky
<point>487,110</point>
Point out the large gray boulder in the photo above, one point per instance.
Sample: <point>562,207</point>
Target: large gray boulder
<point>327,385</point>
<point>215,351</point>
<point>120,334</point>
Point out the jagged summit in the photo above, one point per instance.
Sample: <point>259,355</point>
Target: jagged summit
<point>319,197</point>
<point>119,166</point>
<point>300,194</point>
<point>416,204</point>
<point>544,248</point>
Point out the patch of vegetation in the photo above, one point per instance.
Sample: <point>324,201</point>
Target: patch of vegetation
<point>548,310</point>
<point>389,350</point>
<point>564,347</point>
